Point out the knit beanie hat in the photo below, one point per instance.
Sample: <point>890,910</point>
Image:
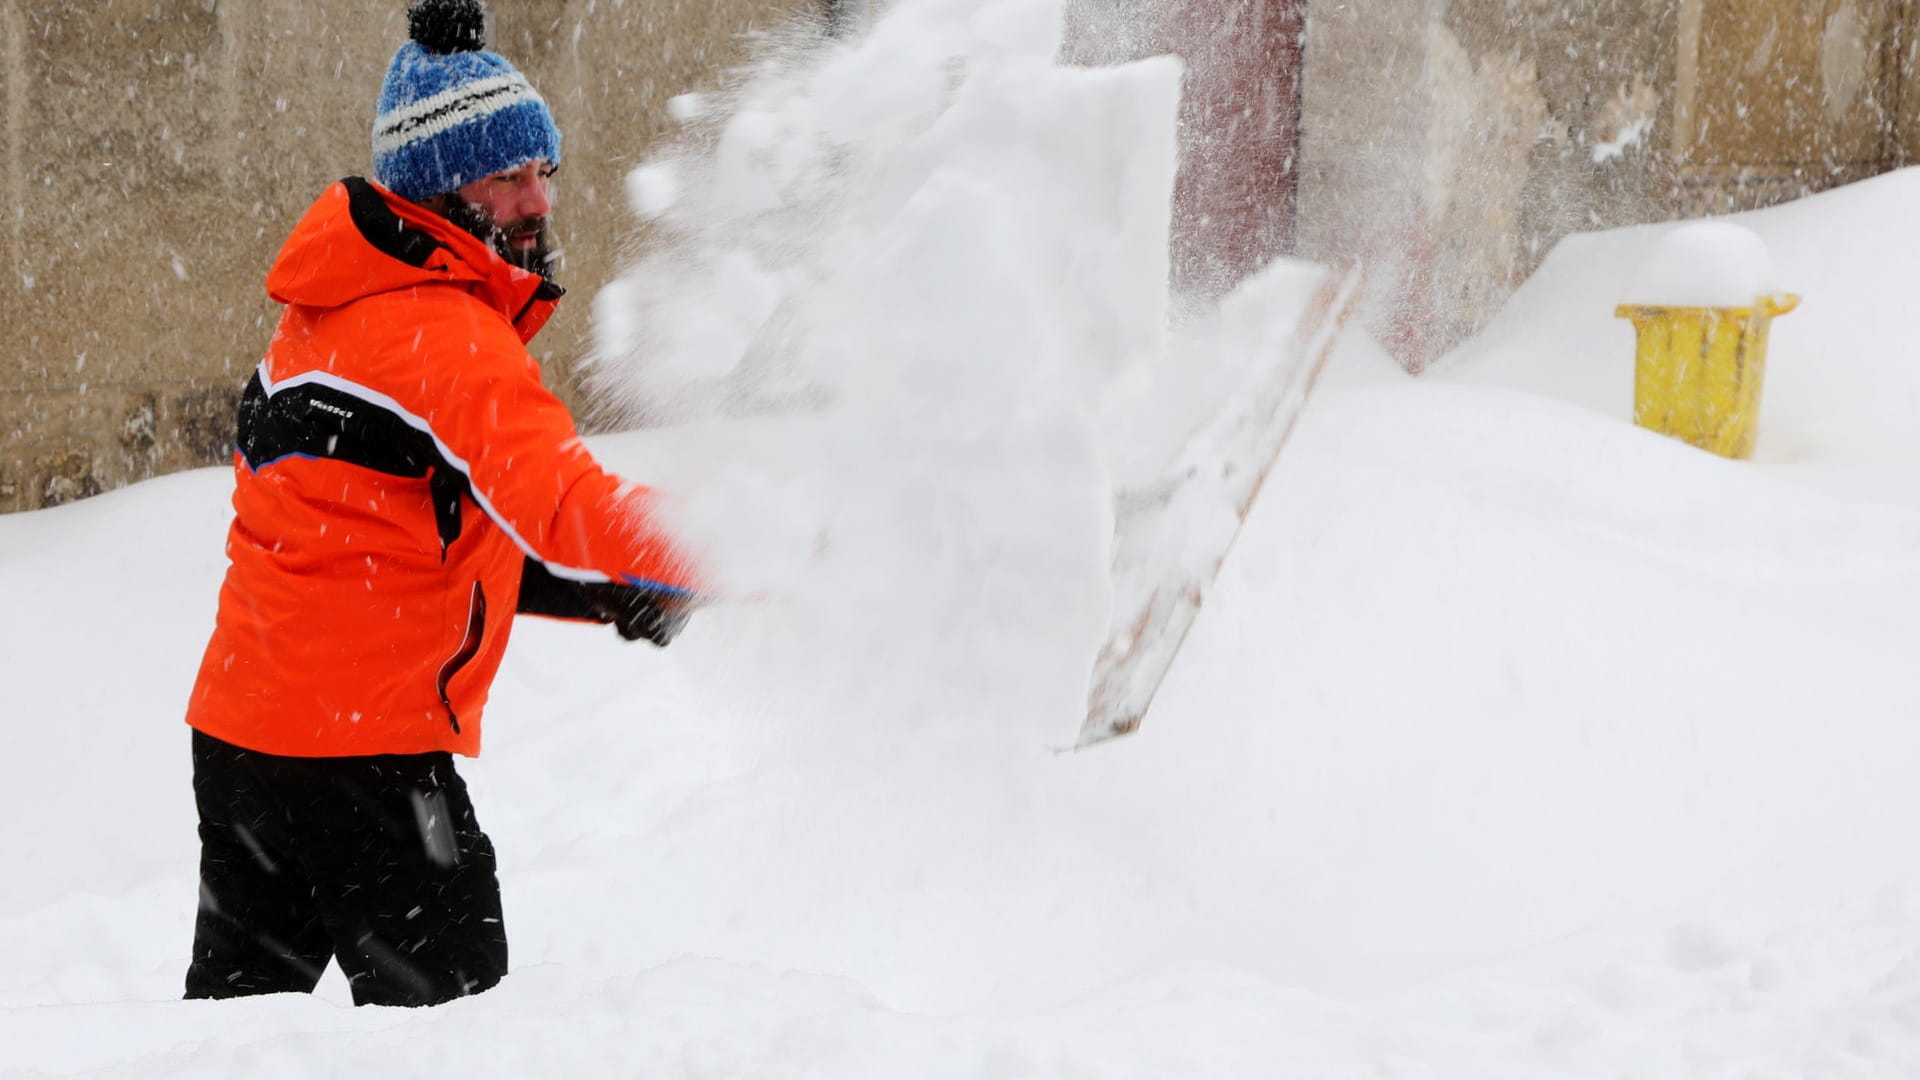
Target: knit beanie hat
<point>451,113</point>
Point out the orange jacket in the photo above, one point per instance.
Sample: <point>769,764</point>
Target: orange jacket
<point>398,461</point>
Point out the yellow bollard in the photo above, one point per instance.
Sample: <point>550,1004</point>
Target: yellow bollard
<point>1698,371</point>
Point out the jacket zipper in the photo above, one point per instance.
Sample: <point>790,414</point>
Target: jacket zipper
<point>547,291</point>
<point>469,648</point>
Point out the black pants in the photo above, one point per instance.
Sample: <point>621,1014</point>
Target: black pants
<point>374,861</point>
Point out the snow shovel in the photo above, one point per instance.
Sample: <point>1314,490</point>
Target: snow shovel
<point>1149,627</point>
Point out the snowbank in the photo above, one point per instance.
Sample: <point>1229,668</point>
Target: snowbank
<point>1840,392</point>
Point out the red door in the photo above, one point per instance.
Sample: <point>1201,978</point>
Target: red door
<point>1238,189</point>
<point>1235,197</point>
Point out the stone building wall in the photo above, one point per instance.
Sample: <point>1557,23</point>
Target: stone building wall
<point>156,152</point>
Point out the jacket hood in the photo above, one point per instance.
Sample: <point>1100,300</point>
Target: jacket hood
<point>359,239</point>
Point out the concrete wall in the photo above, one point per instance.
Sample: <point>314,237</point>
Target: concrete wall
<point>1777,100</point>
<point>1453,142</point>
<point>155,152</point>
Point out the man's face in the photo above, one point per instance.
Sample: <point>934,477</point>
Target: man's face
<point>509,211</point>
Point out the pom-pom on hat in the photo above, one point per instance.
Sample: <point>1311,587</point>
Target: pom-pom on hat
<point>451,113</point>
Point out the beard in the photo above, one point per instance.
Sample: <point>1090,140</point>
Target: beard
<point>542,257</point>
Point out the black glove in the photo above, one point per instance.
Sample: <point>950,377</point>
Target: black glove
<point>635,612</point>
<point>643,613</point>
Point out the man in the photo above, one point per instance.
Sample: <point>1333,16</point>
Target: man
<point>404,484</point>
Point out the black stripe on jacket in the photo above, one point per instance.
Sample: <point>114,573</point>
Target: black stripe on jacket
<point>310,421</point>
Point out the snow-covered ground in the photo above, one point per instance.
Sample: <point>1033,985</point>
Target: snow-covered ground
<point>1515,741</point>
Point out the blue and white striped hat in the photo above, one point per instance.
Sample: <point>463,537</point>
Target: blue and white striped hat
<point>451,113</point>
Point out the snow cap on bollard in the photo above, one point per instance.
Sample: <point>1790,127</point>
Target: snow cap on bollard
<point>1705,264</point>
<point>450,112</point>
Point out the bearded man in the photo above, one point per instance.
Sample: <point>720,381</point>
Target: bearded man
<point>404,484</point>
